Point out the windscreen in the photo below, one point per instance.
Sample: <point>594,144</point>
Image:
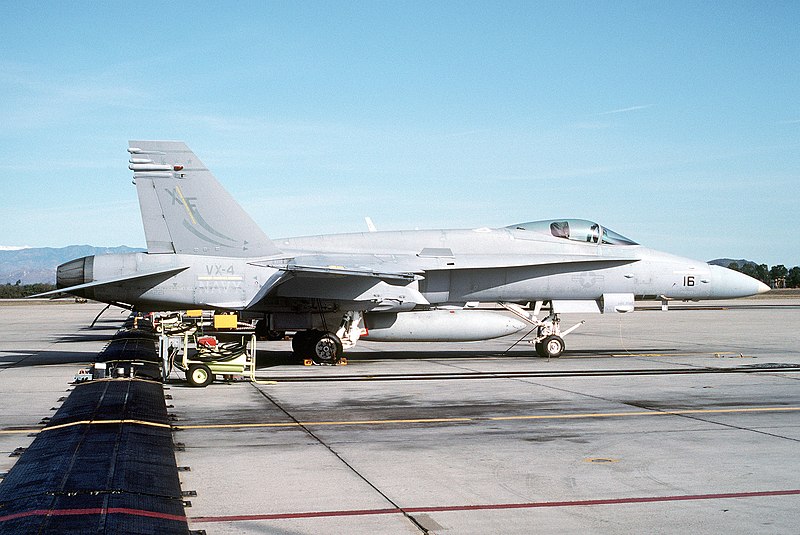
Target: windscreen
<point>579,230</point>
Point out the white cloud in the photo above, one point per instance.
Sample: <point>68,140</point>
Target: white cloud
<point>626,110</point>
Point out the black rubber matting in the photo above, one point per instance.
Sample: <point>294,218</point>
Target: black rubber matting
<point>131,346</point>
<point>81,475</point>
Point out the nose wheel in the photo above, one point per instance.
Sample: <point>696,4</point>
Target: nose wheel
<point>550,347</point>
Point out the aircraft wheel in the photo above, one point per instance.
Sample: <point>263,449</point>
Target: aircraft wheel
<point>303,344</point>
<point>300,341</point>
<point>540,349</point>
<point>552,346</point>
<point>199,375</point>
<point>327,349</point>
<point>261,329</point>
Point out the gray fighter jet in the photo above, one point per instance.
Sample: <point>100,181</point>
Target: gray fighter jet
<point>204,251</point>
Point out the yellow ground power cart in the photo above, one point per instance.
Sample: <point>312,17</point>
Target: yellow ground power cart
<point>203,349</point>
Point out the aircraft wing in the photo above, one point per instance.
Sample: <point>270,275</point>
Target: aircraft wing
<point>375,280</point>
<point>111,282</point>
<point>413,266</point>
<point>341,265</point>
<point>364,281</point>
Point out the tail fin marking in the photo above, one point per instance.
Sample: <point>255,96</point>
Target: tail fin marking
<point>186,210</point>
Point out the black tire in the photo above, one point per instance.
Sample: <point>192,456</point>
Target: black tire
<point>199,375</point>
<point>540,349</point>
<point>301,344</point>
<point>552,346</point>
<point>326,349</point>
<point>262,328</point>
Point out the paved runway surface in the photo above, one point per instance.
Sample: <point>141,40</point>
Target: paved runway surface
<point>471,438</point>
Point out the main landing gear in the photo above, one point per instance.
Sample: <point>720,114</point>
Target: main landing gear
<point>325,347</point>
<point>320,346</point>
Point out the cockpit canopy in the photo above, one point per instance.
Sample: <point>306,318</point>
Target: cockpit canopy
<point>576,230</point>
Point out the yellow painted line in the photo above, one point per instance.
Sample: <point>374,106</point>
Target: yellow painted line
<point>657,354</point>
<point>185,205</point>
<point>645,413</point>
<point>106,422</point>
<point>19,431</point>
<point>83,422</point>
<point>491,418</point>
<point>715,354</point>
<point>418,420</point>
<point>344,422</point>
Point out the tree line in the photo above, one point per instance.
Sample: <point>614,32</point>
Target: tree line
<point>19,290</point>
<point>776,276</point>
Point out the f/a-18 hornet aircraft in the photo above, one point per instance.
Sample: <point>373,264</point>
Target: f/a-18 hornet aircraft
<point>204,251</point>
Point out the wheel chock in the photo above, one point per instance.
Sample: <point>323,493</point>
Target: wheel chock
<point>308,362</point>
<point>343,361</point>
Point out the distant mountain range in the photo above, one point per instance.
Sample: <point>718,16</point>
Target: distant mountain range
<point>38,264</point>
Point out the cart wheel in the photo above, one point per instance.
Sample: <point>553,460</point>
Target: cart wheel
<point>199,375</point>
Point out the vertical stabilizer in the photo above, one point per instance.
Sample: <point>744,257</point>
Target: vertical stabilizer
<point>184,208</point>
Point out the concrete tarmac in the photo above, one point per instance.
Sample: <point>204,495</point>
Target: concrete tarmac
<point>693,427</point>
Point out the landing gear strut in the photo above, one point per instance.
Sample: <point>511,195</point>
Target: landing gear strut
<point>549,340</point>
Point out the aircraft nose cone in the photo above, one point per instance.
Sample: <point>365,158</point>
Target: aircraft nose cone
<point>727,283</point>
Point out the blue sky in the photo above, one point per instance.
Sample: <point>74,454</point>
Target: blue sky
<point>674,123</point>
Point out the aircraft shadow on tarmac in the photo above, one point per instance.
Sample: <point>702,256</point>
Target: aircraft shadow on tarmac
<point>84,337</point>
<point>34,357</point>
<point>268,359</point>
<point>112,327</point>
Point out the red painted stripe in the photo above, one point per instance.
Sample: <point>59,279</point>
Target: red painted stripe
<point>93,511</point>
<point>485,507</point>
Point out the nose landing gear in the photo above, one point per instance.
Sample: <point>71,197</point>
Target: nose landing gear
<point>549,339</point>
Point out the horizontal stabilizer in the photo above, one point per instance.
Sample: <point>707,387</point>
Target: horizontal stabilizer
<point>108,282</point>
